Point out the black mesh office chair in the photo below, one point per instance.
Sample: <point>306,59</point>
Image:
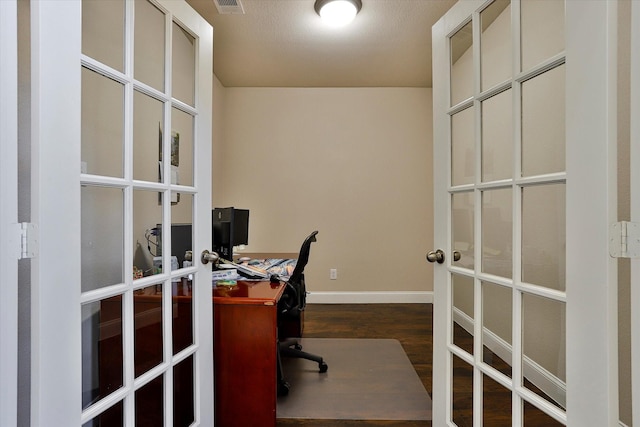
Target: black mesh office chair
<point>290,308</point>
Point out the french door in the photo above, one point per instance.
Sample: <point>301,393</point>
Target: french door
<point>524,144</point>
<point>121,130</point>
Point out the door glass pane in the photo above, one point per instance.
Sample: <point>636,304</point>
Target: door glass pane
<point>534,417</point>
<point>103,31</point>
<point>495,43</point>
<point>102,124</point>
<point>149,404</point>
<point>497,137</point>
<point>544,235</point>
<point>496,326</point>
<point>462,391</point>
<point>181,230</point>
<point>544,342</point>
<point>111,417</point>
<point>147,137</point>
<point>147,321</point>
<point>182,147</point>
<point>147,226</point>
<point>183,76</point>
<point>181,242</point>
<point>538,45</point>
<point>183,392</point>
<point>461,65</point>
<point>462,148</point>
<point>462,228</point>
<point>102,355</point>
<point>463,316</point>
<point>496,404</point>
<point>543,122</point>
<point>149,46</point>
<point>182,313</point>
<point>497,232</point>
<point>102,237</point>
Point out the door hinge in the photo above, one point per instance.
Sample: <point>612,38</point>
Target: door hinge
<point>624,240</point>
<point>28,240</point>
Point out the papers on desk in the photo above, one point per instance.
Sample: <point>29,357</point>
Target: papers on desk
<point>227,269</point>
<point>256,269</point>
<point>226,274</point>
<point>282,268</point>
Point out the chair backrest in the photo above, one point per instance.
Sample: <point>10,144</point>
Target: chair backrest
<point>303,258</point>
<point>294,299</point>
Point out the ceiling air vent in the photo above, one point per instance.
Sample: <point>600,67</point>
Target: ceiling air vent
<point>226,7</point>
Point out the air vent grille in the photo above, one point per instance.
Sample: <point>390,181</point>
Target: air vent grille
<point>226,7</point>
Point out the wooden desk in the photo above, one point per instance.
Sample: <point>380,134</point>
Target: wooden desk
<point>245,353</point>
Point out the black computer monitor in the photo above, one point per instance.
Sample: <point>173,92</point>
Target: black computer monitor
<point>230,227</point>
<point>181,241</point>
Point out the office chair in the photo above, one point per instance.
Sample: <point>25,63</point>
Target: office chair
<point>290,309</point>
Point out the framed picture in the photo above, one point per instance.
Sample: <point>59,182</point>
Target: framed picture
<point>175,162</point>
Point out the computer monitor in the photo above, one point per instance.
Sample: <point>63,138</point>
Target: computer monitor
<point>181,241</point>
<point>230,227</point>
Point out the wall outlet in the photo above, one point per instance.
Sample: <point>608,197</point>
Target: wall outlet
<point>333,273</point>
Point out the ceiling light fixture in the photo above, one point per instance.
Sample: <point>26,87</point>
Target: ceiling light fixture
<point>338,12</point>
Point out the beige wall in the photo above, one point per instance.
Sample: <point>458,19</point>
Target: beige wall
<point>354,163</point>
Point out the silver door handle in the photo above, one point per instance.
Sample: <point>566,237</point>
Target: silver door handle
<point>436,256</point>
<point>207,257</point>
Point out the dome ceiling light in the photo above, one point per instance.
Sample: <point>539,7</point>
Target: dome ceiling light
<point>338,12</point>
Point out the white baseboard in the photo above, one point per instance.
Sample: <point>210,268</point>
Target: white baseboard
<point>373,297</point>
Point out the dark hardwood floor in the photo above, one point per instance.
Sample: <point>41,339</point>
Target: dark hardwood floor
<point>412,325</point>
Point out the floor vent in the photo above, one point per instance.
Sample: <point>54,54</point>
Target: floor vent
<point>226,7</point>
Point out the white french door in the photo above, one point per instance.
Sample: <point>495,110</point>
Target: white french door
<point>525,191</point>
<point>121,128</point>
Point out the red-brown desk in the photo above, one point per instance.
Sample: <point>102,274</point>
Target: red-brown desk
<point>245,353</point>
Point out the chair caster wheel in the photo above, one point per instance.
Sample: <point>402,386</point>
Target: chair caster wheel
<point>283,388</point>
<point>323,367</point>
<point>297,346</point>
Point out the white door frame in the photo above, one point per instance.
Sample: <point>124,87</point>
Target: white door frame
<point>56,123</point>
<point>591,126</point>
<point>591,289</point>
<point>55,131</point>
<point>9,242</point>
<point>441,296</point>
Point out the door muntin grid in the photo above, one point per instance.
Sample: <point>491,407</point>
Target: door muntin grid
<point>131,291</point>
<point>495,157</point>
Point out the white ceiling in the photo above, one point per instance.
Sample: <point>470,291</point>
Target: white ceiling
<point>283,43</point>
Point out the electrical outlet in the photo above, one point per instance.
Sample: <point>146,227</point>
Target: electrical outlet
<point>333,274</point>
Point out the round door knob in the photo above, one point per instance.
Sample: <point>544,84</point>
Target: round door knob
<point>209,257</point>
<point>436,256</point>
<point>457,255</point>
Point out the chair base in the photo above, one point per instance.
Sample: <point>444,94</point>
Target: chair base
<point>292,348</point>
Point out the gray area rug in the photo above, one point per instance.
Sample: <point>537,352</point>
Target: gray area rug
<point>368,379</point>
